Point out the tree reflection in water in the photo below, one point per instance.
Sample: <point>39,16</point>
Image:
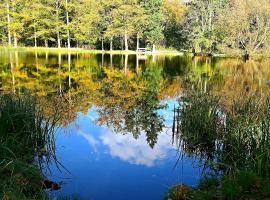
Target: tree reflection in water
<point>226,125</point>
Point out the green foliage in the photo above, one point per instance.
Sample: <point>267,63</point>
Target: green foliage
<point>25,135</point>
<point>154,31</point>
<point>197,26</point>
<point>230,188</point>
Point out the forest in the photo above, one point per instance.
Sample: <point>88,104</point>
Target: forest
<point>207,26</point>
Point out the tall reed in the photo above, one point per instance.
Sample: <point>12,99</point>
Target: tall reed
<point>26,142</point>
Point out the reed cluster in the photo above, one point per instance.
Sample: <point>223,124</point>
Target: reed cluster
<point>26,143</point>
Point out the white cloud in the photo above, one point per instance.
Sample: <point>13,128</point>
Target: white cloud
<point>137,151</point>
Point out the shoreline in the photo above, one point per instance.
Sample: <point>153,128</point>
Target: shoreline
<point>165,52</point>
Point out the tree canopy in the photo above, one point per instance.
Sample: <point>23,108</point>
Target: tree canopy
<point>210,26</point>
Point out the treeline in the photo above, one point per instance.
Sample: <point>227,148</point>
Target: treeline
<point>207,26</point>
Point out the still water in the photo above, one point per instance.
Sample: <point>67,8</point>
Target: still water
<point>115,137</point>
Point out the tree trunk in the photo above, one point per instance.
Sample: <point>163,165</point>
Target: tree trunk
<point>58,39</point>
<point>126,62</point>
<point>15,41</point>
<point>137,63</point>
<point>111,44</point>
<point>154,48</point>
<point>35,36</point>
<point>126,41</point>
<point>46,43</point>
<point>138,41</point>
<point>102,44</point>
<point>67,18</point>
<point>8,24</point>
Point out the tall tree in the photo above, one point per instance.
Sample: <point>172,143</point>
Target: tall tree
<point>107,6</point>
<point>154,32</point>
<point>124,19</point>
<point>85,22</point>
<point>59,24</point>
<point>3,24</point>
<point>247,25</point>
<point>200,24</point>
<point>174,13</point>
<point>67,21</point>
<point>15,22</point>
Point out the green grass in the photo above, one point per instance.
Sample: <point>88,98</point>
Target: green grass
<point>81,50</point>
<point>160,51</point>
<point>232,142</point>
<point>25,137</point>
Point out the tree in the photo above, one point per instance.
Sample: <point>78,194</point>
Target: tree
<point>247,25</point>
<point>201,24</point>
<point>174,13</point>
<point>15,22</point>
<point>58,21</point>
<point>154,31</point>
<point>124,17</point>
<point>85,22</point>
<point>4,33</point>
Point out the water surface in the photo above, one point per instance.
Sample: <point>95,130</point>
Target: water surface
<point>115,137</point>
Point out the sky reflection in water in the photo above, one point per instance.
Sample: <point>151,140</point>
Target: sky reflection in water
<point>108,165</point>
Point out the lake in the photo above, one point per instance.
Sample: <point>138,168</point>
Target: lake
<point>116,137</point>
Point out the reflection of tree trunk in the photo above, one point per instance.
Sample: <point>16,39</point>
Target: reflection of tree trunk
<point>111,59</point>
<point>194,61</point>
<point>8,24</point>
<point>67,18</point>
<point>15,41</point>
<point>122,60</point>
<point>126,62</point>
<point>126,41</point>
<point>36,59</point>
<point>59,60</point>
<point>12,71</point>
<point>59,70</point>
<point>69,70</point>
<point>153,58</point>
<point>46,57</point>
<point>205,86</point>
<point>102,60</point>
<point>17,59</point>
<point>137,63</point>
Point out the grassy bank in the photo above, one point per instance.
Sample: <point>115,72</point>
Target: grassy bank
<point>162,51</point>
<point>26,137</point>
<point>81,50</point>
<point>232,143</point>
